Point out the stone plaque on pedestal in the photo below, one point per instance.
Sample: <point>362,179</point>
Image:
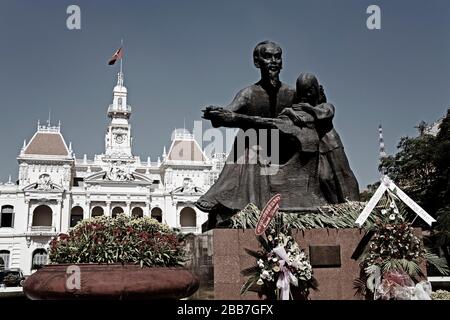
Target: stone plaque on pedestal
<point>325,256</point>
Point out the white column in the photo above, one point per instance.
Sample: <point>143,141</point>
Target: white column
<point>54,212</point>
<point>177,216</point>
<point>57,216</point>
<point>30,214</point>
<point>108,208</point>
<point>128,212</point>
<point>87,210</point>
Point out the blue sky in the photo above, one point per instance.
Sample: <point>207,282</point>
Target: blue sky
<point>183,55</point>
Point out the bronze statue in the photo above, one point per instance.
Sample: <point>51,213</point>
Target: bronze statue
<point>249,176</point>
<point>337,181</point>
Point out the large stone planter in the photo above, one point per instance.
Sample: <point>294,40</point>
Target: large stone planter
<point>114,281</point>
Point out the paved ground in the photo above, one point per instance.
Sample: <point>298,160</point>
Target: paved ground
<point>11,293</point>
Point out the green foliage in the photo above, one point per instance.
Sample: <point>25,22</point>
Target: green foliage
<point>413,168</point>
<point>360,286</point>
<point>254,254</point>
<point>442,230</point>
<point>365,195</point>
<point>330,216</point>
<point>439,263</point>
<point>411,267</point>
<point>124,239</point>
<point>421,168</point>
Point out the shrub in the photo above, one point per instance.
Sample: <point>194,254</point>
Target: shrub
<point>440,295</point>
<point>123,239</point>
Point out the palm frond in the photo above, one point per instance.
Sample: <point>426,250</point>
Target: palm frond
<point>264,243</point>
<point>255,254</point>
<point>360,286</point>
<point>314,284</point>
<point>411,267</point>
<point>408,266</point>
<point>439,263</point>
<point>341,215</point>
<point>250,271</point>
<point>248,284</point>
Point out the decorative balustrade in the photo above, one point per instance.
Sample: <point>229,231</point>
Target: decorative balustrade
<point>190,229</point>
<point>112,109</point>
<point>42,229</point>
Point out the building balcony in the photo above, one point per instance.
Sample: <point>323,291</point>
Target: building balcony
<point>41,230</point>
<point>112,109</point>
<point>190,230</point>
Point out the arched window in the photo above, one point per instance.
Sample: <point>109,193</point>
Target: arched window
<point>76,215</point>
<point>116,211</point>
<point>42,216</point>
<point>188,217</point>
<point>4,255</point>
<point>137,212</point>
<point>97,211</point>
<point>157,214</point>
<point>40,258</point>
<point>7,217</point>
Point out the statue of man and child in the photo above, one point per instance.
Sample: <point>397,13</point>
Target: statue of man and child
<point>298,153</point>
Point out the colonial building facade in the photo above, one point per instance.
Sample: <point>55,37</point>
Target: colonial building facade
<point>54,190</point>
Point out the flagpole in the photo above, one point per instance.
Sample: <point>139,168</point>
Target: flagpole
<point>121,45</point>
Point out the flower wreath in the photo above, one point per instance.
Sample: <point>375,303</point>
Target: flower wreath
<point>280,264</point>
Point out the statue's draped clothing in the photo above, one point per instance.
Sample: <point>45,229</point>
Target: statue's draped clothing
<point>337,181</point>
<point>249,178</point>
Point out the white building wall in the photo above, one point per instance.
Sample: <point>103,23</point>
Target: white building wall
<point>168,195</point>
<point>21,244</point>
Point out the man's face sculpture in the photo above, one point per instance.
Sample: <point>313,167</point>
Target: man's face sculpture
<point>268,59</point>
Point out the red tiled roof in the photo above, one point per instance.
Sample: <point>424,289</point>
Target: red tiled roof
<point>185,150</point>
<point>46,143</point>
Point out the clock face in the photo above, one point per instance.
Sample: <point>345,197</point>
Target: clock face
<point>119,138</point>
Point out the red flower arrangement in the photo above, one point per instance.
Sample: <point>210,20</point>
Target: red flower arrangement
<point>123,239</point>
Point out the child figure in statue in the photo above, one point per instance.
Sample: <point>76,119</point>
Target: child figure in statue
<point>337,181</point>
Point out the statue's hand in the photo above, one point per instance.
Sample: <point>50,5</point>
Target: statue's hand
<point>211,107</point>
<point>218,115</point>
<point>291,114</point>
<point>287,112</point>
<point>300,118</point>
<point>303,106</point>
<point>304,119</point>
<point>208,112</point>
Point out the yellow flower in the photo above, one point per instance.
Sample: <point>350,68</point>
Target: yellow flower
<point>276,269</point>
<point>260,282</point>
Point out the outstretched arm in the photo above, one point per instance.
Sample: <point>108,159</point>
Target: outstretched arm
<point>225,118</point>
<point>233,115</point>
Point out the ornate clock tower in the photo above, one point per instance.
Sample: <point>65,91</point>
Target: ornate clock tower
<point>118,138</point>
